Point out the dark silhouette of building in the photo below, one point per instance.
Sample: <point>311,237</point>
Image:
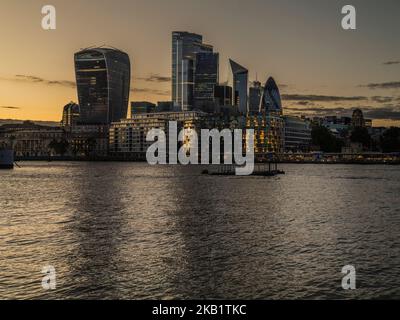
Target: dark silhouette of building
<point>103,83</point>
<point>185,47</point>
<point>205,79</point>
<point>71,115</point>
<point>271,100</point>
<point>255,94</point>
<point>358,119</point>
<point>142,107</point>
<point>165,106</point>
<point>223,95</point>
<point>240,86</point>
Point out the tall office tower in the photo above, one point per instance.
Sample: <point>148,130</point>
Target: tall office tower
<point>185,46</point>
<point>223,95</point>
<point>187,85</point>
<point>271,100</point>
<point>205,79</point>
<point>103,82</point>
<point>255,94</point>
<point>240,84</point>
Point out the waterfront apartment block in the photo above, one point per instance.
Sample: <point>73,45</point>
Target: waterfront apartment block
<point>297,134</point>
<point>127,138</point>
<point>268,133</point>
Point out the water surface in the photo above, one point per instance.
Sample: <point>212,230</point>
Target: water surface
<point>132,231</point>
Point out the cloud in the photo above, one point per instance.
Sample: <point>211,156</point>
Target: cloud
<point>383,85</point>
<point>155,78</point>
<point>320,98</point>
<point>388,112</point>
<point>389,63</point>
<point>305,103</point>
<point>320,110</point>
<point>380,99</point>
<point>150,91</point>
<point>39,80</point>
<point>10,107</point>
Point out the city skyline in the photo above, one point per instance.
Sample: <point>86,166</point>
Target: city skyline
<point>325,71</point>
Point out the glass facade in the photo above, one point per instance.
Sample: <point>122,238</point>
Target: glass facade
<point>142,107</point>
<point>187,85</point>
<point>185,46</point>
<point>297,134</point>
<point>240,86</point>
<point>103,82</point>
<point>271,101</point>
<point>223,95</point>
<point>255,94</point>
<point>267,121</point>
<point>206,78</point>
<point>71,115</point>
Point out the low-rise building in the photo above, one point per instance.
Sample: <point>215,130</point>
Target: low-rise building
<point>88,140</point>
<point>297,134</point>
<point>32,140</point>
<point>127,138</point>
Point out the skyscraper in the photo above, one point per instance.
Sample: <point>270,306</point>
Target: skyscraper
<point>240,85</point>
<point>103,83</point>
<point>223,95</point>
<point>271,100</point>
<point>271,113</point>
<point>205,79</point>
<point>255,94</point>
<point>185,46</point>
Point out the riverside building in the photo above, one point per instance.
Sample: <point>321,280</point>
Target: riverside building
<point>127,138</point>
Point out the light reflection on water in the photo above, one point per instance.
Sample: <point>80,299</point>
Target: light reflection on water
<point>131,231</point>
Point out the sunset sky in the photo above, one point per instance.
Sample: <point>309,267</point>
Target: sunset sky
<point>320,68</point>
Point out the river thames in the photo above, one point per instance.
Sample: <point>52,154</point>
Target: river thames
<point>132,231</point>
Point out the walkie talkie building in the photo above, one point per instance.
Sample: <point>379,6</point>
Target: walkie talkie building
<point>103,83</point>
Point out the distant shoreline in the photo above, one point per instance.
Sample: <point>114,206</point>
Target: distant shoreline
<point>120,159</point>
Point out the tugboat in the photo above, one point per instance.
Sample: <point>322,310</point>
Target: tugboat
<point>6,159</point>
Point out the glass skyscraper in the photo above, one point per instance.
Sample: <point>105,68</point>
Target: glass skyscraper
<point>240,86</point>
<point>271,101</point>
<point>206,78</point>
<point>255,94</point>
<point>185,46</point>
<point>103,82</point>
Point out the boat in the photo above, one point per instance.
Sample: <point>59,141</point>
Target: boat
<point>6,159</point>
<point>261,170</point>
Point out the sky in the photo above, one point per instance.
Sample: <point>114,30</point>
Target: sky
<point>320,68</point>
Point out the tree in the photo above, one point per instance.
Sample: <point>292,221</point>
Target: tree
<point>91,144</point>
<point>390,140</point>
<point>59,147</point>
<point>322,137</point>
<point>361,135</point>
